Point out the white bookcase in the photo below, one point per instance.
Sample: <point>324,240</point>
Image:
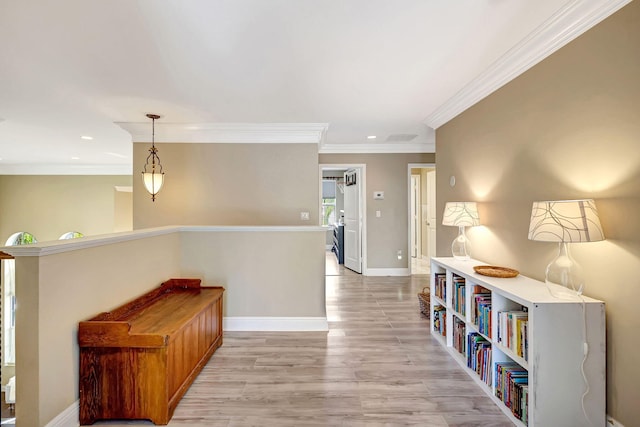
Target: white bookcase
<point>559,333</point>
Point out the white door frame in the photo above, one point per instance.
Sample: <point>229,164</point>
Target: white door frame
<point>363,200</point>
<point>409,167</point>
<point>415,224</point>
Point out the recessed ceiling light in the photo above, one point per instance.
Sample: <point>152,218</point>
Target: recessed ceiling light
<point>75,158</point>
<point>88,138</point>
<point>371,137</point>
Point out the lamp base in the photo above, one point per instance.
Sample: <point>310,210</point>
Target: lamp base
<point>564,277</point>
<point>460,248</point>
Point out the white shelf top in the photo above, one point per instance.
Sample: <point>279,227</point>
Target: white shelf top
<point>521,289</point>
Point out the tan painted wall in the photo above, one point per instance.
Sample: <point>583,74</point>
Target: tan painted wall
<point>568,128</point>
<point>122,210</point>
<point>266,274</point>
<point>389,233</point>
<point>48,206</point>
<point>229,184</point>
<point>55,292</point>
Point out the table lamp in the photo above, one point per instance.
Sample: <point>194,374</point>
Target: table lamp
<point>461,215</point>
<point>565,221</point>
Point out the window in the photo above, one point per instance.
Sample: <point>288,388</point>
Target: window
<point>9,306</point>
<point>328,202</point>
<point>71,235</point>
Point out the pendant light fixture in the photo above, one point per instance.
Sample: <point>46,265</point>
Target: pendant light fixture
<point>152,174</point>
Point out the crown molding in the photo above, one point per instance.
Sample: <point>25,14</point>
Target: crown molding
<point>239,133</point>
<point>386,148</point>
<point>62,169</point>
<point>573,19</point>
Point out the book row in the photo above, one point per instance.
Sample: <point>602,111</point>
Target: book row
<point>440,320</point>
<point>481,310</point>
<point>459,290</point>
<point>479,356</point>
<point>513,331</point>
<point>440,281</point>
<point>459,335</point>
<point>512,388</point>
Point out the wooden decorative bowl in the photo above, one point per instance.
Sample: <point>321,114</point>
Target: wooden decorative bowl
<point>495,271</point>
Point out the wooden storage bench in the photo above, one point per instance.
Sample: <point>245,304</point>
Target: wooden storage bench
<point>138,360</point>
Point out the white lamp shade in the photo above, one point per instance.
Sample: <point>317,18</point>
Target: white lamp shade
<point>565,221</point>
<point>153,181</point>
<point>461,214</point>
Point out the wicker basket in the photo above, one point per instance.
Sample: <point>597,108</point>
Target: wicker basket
<point>424,300</point>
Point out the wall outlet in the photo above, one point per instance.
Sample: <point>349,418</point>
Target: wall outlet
<point>399,254</point>
<point>378,214</point>
<point>304,216</point>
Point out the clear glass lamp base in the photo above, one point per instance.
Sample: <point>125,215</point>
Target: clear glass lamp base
<point>460,248</point>
<point>564,276</point>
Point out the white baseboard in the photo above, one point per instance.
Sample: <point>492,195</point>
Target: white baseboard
<point>387,272</point>
<point>70,417</point>
<point>275,324</point>
<point>611,422</point>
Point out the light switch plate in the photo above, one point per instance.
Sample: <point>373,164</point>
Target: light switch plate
<point>304,216</point>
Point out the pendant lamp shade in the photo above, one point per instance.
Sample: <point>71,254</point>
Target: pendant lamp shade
<point>152,174</point>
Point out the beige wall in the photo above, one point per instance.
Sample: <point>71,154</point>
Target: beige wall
<point>266,274</point>
<point>123,209</point>
<point>57,291</point>
<point>48,206</point>
<point>568,128</point>
<point>229,184</point>
<point>389,233</point>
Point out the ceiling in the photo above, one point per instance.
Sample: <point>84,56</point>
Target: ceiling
<point>349,68</point>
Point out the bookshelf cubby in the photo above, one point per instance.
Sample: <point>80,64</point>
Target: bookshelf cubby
<point>522,346</point>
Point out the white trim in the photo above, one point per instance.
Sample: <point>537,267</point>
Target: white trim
<point>282,324</point>
<point>388,272</point>
<point>429,147</point>
<point>409,167</point>
<point>60,169</point>
<point>328,247</point>
<point>363,198</point>
<point>247,133</point>
<point>124,188</point>
<point>569,22</point>
<point>70,417</point>
<point>59,246</point>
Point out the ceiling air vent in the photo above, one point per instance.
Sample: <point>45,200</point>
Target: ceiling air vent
<point>401,137</point>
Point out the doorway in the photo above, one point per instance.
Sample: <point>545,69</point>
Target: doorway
<point>349,219</point>
<point>422,216</point>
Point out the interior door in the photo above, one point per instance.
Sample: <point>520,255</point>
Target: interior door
<point>352,221</point>
<point>415,216</point>
<point>431,212</point>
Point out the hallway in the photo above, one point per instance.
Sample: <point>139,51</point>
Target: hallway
<point>376,366</point>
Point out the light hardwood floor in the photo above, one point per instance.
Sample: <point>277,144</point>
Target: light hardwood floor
<point>377,366</point>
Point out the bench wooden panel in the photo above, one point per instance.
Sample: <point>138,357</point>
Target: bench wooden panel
<point>137,361</point>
